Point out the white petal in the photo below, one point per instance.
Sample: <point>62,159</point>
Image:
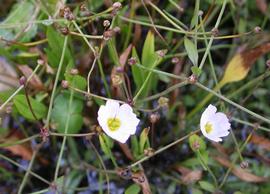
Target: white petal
<point>112,107</point>
<point>221,125</point>
<point>128,119</point>
<point>103,115</point>
<point>118,135</point>
<point>206,117</point>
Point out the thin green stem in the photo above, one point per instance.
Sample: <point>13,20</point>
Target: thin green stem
<point>7,144</point>
<point>55,82</point>
<point>142,87</point>
<point>83,36</point>
<point>208,168</point>
<point>212,37</point>
<point>65,137</point>
<point>20,88</point>
<point>163,149</point>
<point>22,167</point>
<point>28,170</point>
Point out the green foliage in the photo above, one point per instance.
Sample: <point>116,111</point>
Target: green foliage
<point>192,52</point>
<point>39,109</point>
<point>133,189</point>
<point>61,111</point>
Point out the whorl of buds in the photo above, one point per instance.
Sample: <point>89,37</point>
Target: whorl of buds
<point>244,164</point>
<point>106,23</point>
<point>132,61</point>
<point>22,81</point>
<point>215,32</point>
<point>257,29</point>
<point>192,79</point>
<point>74,71</point>
<point>154,117</point>
<point>64,30</point>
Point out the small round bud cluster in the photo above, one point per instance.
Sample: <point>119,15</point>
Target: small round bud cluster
<point>149,152</point>
<point>106,23</point>
<point>161,53</point>
<point>192,79</point>
<point>268,63</point>
<point>200,13</point>
<point>175,60</point>
<point>65,84</point>
<point>64,30</point>
<point>119,69</point>
<point>108,34</point>
<point>215,32</point>
<point>154,117</point>
<point>74,71</point>
<point>195,145</point>
<point>116,7</point>
<point>66,13</point>
<point>163,102</point>
<point>257,29</point>
<point>40,62</point>
<point>22,81</point>
<point>244,164</point>
<point>84,10</point>
<point>9,109</point>
<point>116,79</point>
<point>125,173</point>
<point>132,61</point>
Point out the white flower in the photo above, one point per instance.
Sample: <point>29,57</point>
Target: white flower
<point>214,124</point>
<point>118,122</point>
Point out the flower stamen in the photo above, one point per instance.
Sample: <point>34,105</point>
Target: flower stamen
<point>208,127</point>
<point>113,123</point>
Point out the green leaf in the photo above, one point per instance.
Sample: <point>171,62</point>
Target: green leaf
<point>21,12</point>
<point>207,186</point>
<point>135,146</point>
<point>149,56</point>
<point>143,139</point>
<point>76,81</point>
<point>21,105</point>
<point>196,70</point>
<point>191,51</point>
<point>196,143</point>
<point>133,189</point>
<point>136,71</point>
<point>60,114</point>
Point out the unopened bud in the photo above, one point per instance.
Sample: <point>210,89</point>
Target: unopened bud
<point>192,79</point>
<point>116,29</point>
<point>74,71</point>
<point>215,32</point>
<point>196,145</point>
<point>117,6</point>
<point>257,29</point>
<point>8,109</point>
<point>22,81</point>
<point>149,152</point>
<point>175,60</point>
<point>106,23</point>
<point>154,117</point>
<point>64,84</point>
<point>108,34</point>
<point>40,62</point>
<point>268,63</point>
<point>200,13</point>
<point>119,69</point>
<point>64,30</point>
<point>132,61</point>
<point>163,102</point>
<point>244,164</point>
<point>161,53</point>
<point>116,80</point>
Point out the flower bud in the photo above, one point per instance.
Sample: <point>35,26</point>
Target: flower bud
<point>244,164</point>
<point>64,84</point>
<point>132,61</point>
<point>154,117</point>
<point>74,71</point>
<point>22,81</point>
<point>117,6</point>
<point>106,23</point>
<point>40,62</point>
<point>215,32</point>
<point>116,79</point>
<point>257,29</point>
<point>192,79</point>
<point>163,102</point>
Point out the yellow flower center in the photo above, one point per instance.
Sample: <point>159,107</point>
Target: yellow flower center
<point>113,124</point>
<point>208,127</point>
